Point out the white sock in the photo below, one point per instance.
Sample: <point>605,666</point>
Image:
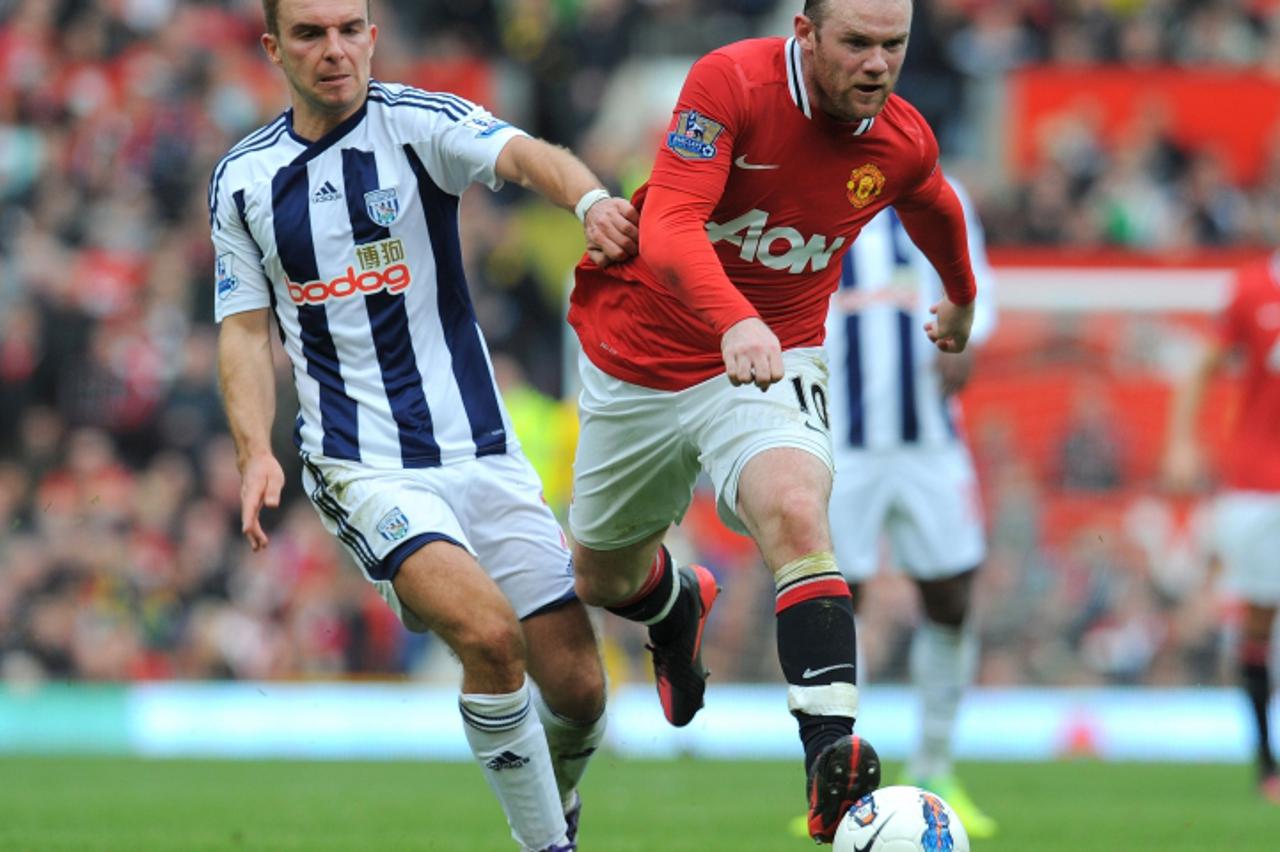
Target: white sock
<point>571,744</point>
<point>509,743</point>
<point>943,662</point>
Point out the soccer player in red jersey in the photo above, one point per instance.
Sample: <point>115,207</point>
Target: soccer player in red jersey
<point>705,353</point>
<point>1247,515</point>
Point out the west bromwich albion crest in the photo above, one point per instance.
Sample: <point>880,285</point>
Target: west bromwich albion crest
<point>382,206</point>
<point>394,525</point>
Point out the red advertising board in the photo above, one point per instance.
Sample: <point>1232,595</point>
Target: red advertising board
<point>1236,112</point>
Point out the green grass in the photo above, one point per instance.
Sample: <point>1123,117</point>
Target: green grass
<point>52,804</point>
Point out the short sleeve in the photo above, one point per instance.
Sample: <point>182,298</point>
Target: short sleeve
<point>696,150</point>
<point>239,282</point>
<point>458,153</point>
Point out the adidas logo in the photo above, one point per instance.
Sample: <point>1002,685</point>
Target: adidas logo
<point>327,192</point>
<point>506,760</point>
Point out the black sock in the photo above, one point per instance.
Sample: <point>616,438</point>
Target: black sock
<point>817,732</point>
<point>816,647</point>
<point>648,603</point>
<point>1257,685</point>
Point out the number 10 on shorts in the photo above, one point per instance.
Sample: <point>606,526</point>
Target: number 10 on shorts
<point>812,399</point>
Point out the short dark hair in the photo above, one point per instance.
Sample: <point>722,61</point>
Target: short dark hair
<point>271,11</point>
<point>814,10</point>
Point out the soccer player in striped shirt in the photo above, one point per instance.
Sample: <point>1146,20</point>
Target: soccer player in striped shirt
<point>705,353</point>
<point>903,469</point>
<point>339,219</point>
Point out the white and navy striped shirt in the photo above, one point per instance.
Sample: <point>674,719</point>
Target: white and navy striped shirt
<point>352,241</point>
<point>885,391</point>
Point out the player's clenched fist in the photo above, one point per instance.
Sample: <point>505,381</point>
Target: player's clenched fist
<point>950,331</point>
<point>752,354</point>
<point>612,228</point>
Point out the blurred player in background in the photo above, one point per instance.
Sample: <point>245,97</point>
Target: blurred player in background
<point>1247,515</point>
<point>903,470</point>
<point>705,353</point>
<point>340,219</point>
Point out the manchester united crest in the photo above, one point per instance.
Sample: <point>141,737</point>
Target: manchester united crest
<point>865,184</point>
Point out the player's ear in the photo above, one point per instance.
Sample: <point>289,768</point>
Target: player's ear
<point>272,46</point>
<point>805,32</point>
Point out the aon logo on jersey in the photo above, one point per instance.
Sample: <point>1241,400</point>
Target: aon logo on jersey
<point>777,248</point>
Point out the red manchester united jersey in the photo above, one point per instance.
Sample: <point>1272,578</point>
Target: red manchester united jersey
<point>1251,325</point>
<point>783,189</point>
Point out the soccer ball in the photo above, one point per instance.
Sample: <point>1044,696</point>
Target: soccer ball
<point>901,819</point>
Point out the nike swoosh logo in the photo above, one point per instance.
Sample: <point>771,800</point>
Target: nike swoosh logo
<point>872,841</point>
<point>808,673</point>
<point>742,163</point>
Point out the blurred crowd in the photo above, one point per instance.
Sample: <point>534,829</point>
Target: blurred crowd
<point>120,553</point>
<point>1143,185</point>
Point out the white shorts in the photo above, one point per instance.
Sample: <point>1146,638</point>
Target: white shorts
<point>640,450</point>
<point>924,500</point>
<point>1247,538</point>
<point>491,506</point>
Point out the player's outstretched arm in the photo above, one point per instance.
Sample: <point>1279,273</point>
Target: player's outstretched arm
<point>611,225</point>
<point>247,382</point>
<point>937,226</point>
<point>950,330</point>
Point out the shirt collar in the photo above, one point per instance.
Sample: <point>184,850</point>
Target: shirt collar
<point>800,95</point>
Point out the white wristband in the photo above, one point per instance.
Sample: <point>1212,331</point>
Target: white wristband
<point>588,200</point>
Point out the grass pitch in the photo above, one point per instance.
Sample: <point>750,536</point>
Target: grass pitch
<point>107,804</point>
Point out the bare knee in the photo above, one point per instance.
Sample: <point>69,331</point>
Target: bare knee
<point>579,698</point>
<point>565,661</point>
<point>782,498</point>
<point>794,522</point>
<point>946,602</point>
<point>491,649</point>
